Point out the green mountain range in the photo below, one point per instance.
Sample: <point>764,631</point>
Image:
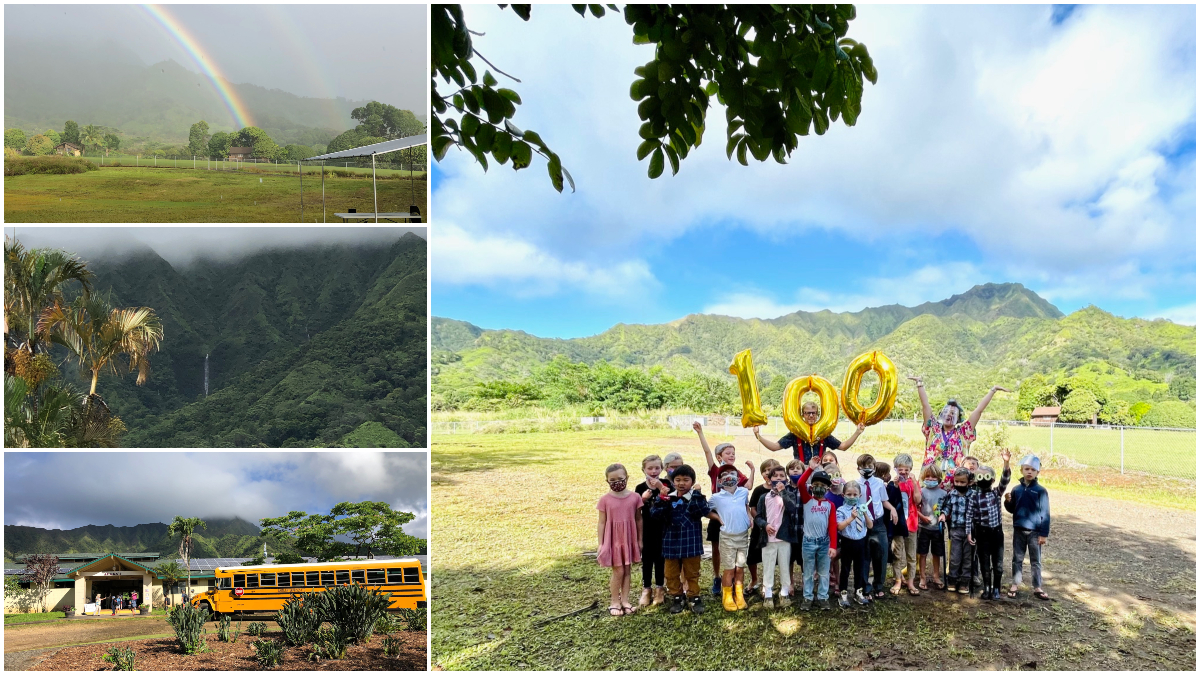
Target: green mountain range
<point>47,82</point>
<point>223,538</point>
<point>991,334</point>
<point>314,346</point>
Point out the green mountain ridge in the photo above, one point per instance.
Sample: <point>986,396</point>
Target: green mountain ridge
<point>304,345</point>
<point>991,334</point>
<point>223,538</point>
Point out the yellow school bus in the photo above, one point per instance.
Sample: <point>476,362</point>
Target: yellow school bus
<point>264,588</point>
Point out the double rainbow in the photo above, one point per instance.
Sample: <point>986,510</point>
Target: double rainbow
<point>237,109</point>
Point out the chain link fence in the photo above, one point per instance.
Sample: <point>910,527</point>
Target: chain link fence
<point>1146,451</point>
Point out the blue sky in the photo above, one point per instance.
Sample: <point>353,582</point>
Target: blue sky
<point>1002,143</point>
<point>129,488</point>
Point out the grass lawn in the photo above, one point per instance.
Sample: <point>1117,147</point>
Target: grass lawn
<point>127,194</point>
<point>32,616</point>
<point>516,523</point>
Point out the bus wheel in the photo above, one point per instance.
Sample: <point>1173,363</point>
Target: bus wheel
<point>207,607</point>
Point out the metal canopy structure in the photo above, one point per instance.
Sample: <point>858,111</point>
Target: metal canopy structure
<point>365,151</point>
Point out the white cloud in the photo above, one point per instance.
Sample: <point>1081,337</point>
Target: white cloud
<point>1183,314</point>
<point>1047,146</point>
<point>459,258</point>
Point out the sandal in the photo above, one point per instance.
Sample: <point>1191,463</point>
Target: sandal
<point>923,585</point>
<point>1040,595</point>
<point>895,590</point>
<point>1011,594</point>
<point>913,591</point>
<point>939,584</point>
<point>880,595</point>
<point>628,610</point>
<point>615,610</point>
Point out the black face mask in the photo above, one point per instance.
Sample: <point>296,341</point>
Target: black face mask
<point>985,485</point>
<point>962,488</point>
<point>818,491</point>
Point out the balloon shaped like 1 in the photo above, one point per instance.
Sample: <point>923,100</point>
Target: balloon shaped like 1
<point>889,386</point>
<point>743,368</point>
<point>826,423</point>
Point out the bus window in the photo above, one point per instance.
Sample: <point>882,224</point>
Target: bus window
<point>223,583</point>
<point>376,577</point>
<point>297,578</point>
<point>411,575</point>
<point>327,578</point>
<point>239,581</point>
<point>266,579</point>
<point>285,579</point>
<point>395,575</point>
<point>358,576</point>
<point>251,581</point>
<point>343,576</point>
<point>314,578</point>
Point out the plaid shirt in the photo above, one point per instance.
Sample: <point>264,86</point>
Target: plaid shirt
<point>954,507</point>
<point>683,537</point>
<point>983,508</point>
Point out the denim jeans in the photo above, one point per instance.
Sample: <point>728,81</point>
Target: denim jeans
<point>877,552</point>
<point>816,559</point>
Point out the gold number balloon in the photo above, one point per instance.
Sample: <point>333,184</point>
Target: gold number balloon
<point>828,396</point>
<point>888,388</point>
<point>743,368</point>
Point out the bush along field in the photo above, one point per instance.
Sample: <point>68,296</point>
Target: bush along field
<point>38,189</point>
<point>345,628</point>
<point>538,600</point>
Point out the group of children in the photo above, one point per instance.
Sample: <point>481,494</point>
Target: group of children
<point>809,515</point>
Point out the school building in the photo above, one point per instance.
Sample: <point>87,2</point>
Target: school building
<point>81,576</point>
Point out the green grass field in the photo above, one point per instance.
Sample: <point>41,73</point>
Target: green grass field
<point>516,522</point>
<point>281,167</point>
<point>132,195</point>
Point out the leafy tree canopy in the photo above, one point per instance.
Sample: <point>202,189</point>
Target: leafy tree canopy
<point>198,138</point>
<point>219,143</point>
<point>112,142</point>
<point>70,132</point>
<point>386,121</point>
<point>779,71</point>
<point>39,145</point>
<point>14,138</point>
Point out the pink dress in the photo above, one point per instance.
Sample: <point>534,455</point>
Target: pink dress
<point>619,545</point>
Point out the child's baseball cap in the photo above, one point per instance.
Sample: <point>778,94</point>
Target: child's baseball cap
<point>821,477</point>
<point>1032,461</point>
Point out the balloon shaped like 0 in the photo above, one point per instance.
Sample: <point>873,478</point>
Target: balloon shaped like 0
<point>794,392</point>
<point>743,368</point>
<point>889,386</point>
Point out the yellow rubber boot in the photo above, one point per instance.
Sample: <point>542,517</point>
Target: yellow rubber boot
<point>738,598</point>
<point>727,599</point>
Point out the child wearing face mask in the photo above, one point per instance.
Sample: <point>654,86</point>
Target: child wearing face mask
<point>724,455</point>
<point>930,538</point>
<point>683,544</point>
<point>904,546</point>
<point>819,541</point>
<point>757,539</point>
<point>777,517</point>
<point>953,509</point>
<point>731,508</point>
<point>853,522</point>
<point>619,534</point>
<point>874,494</point>
<point>795,470</point>
<point>985,528</point>
<point>837,483</point>
<point>652,561</point>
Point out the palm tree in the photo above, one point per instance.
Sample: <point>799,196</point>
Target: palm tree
<point>185,527</point>
<point>91,135</point>
<point>98,334</point>
<point>34,280</point>
<point>170,573</point>
<point>56,417</point>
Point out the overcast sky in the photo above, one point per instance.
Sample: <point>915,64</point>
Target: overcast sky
<point>374,52</point>
<point>64,490</point>
<point>1051,146</point>
<point>182,245</point>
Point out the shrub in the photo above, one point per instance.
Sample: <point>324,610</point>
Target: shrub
<point>298,620</point>
<point>256,629</point>
<point>268,653</point>
<point>387,624</point>
<point>329,643</point>
<point>236,632</point>
<point>223,628</point>
<point>52,164</point>
<point>121,658</point>
<point>392,646</point>
<point>114,164</point>
<point>353,610</point>
<point>415,619</point>
<point>188,622</point>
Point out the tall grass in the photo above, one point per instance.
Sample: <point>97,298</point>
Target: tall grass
<point>51,164</point>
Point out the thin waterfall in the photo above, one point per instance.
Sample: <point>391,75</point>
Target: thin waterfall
<point>206,376</point>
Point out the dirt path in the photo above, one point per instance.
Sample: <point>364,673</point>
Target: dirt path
<point>42,635</point>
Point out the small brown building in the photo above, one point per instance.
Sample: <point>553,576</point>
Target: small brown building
<point>1044,417</point>
<point>68,149</point>
<point>240,154</point>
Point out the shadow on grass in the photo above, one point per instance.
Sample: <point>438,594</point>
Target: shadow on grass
<point>1123,600</point>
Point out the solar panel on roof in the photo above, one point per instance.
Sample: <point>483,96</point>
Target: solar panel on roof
<point>378,148</point>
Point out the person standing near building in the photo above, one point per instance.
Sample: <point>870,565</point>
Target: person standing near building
<point>133,601</point>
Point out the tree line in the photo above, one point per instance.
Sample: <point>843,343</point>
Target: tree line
<point>91,137</point>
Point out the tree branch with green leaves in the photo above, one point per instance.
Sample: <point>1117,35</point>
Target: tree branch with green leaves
<point>780,71</point>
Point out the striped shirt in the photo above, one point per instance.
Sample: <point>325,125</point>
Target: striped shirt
<point>954,507</point>
<point>683,537</point>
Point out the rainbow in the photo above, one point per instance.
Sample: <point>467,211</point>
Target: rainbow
<point>237,109</point>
